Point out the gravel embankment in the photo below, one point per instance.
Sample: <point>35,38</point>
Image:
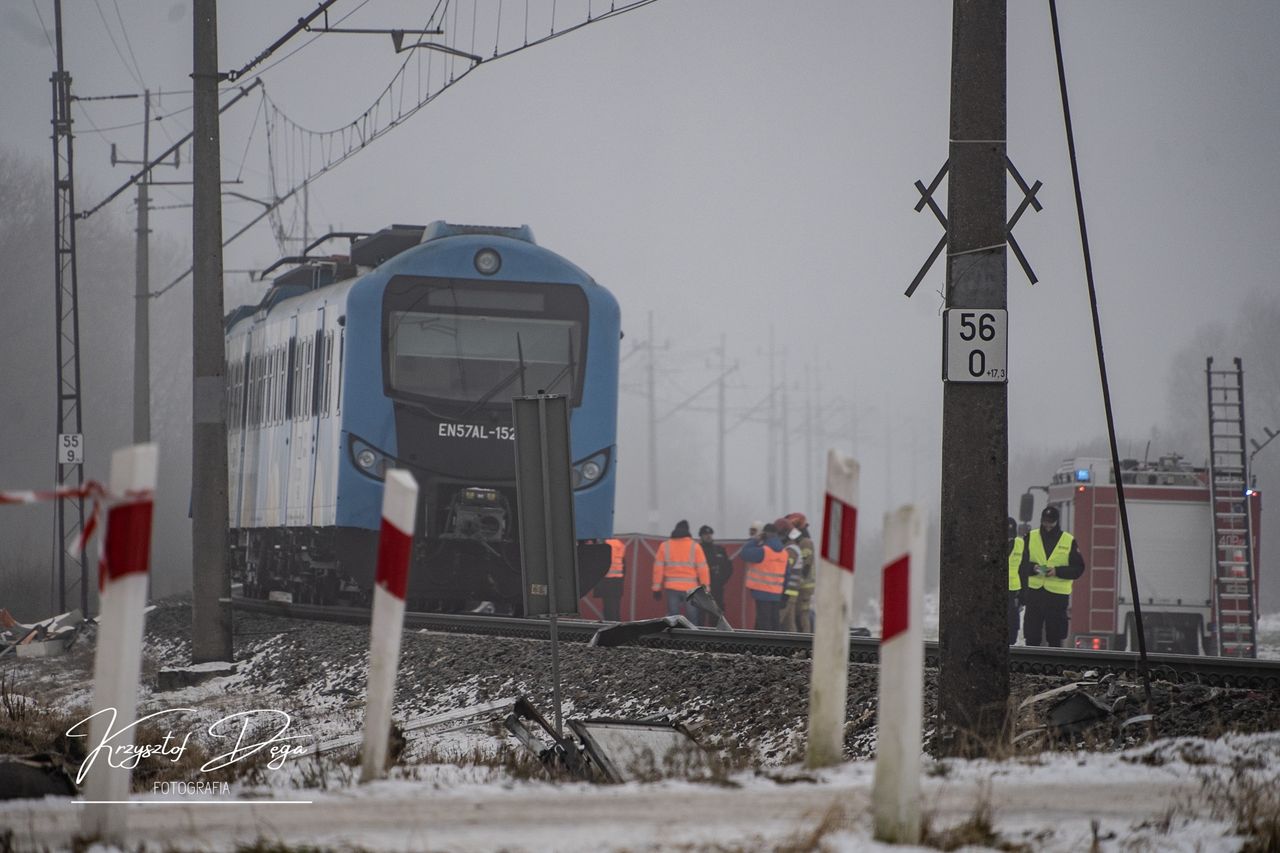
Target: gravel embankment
<point>754,704</point>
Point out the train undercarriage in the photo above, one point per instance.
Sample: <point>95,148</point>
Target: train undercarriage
<point>335,566</point>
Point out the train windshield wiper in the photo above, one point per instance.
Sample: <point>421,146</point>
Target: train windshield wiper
<point>567,370</point>
<point>518,372</point>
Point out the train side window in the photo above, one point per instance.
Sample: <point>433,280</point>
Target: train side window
<point>326,403</point>
<point>268,364</point>
<point>228,392</point>
<point>259,389</point>
<point>237,391</point>
<point>275,384</point>
<point>259,380</point>
<point>306,382</point>
<point>289,402</point>
<point>233,370</point>
<point>282,382</point>
<point>317,385</point>
<point>342,350</point>
<point>250,417</point>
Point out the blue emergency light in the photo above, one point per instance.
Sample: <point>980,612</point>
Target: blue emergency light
<point>1082,475</point>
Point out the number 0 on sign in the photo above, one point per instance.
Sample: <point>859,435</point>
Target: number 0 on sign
<point>975,345</point>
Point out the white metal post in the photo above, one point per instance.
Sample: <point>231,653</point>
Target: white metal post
<point>395,550</point>
<point>895,794</point>
<point>833,608</point>
<point>122,598</point>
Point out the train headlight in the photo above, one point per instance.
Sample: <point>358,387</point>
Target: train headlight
<point>587,471</point>
<point>488,262</point>
<point>368,459</point>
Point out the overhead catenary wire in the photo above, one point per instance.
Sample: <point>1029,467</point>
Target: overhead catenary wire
<point>1102,362</point>
<point>305,154</point>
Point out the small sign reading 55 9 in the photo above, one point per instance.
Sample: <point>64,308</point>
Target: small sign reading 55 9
<point>70,448</point>
<point>975,345</point>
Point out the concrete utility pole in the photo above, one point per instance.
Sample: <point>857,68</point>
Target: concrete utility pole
<point>974,657</point>
<point>142,287</point>
<point>772,439</point>
<point>653,433</point>
<point>785,448</point>
<point>142,278</point>
<point>211,581</point>
<point>807,493</point>
<point>722,520</point>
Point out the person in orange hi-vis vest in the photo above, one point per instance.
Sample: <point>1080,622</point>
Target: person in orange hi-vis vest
<point>766,563</point>
<point>679,566</point>
<point>609,587</point>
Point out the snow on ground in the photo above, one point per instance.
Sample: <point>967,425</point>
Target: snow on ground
<point>470,791</point>
<point>1172,795</point>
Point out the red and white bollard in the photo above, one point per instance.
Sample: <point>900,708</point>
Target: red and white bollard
<point>122,598</point>
<point>833,609</point>
<point>895,794</point>
<point>395,550</point>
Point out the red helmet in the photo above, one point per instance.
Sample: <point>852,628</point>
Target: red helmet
<point>797,519</point>
<point>784,526</point>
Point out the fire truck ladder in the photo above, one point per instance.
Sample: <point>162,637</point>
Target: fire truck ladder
<point>1234,608</point>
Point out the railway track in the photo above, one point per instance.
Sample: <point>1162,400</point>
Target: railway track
<point>1219,672</point>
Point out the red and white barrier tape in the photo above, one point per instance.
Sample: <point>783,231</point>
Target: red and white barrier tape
<point>92,490</point>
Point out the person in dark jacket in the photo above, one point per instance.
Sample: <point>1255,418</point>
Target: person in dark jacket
<point>720,566</point>
<point>1050,562</point>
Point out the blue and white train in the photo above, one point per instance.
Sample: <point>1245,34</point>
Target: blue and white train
<point>406,353</point>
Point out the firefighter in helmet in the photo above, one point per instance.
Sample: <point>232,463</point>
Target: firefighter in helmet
<point>808,577</point>
<point>1050,562</point>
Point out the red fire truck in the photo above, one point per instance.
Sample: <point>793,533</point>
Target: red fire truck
<point>1196,555</point>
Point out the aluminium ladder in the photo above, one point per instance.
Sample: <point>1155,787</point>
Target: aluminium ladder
<point>1235,610</point>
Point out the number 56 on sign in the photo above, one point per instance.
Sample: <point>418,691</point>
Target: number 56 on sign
<point>975,345</point>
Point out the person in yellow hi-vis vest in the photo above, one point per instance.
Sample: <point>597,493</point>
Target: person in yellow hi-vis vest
<point>679,566</point>
<point>1017,547</point>
<point>1050,562</point>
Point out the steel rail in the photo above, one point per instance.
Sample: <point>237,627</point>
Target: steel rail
<point>1034,660</point>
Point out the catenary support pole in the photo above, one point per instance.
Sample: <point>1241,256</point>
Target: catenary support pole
<point>395,550</point>
<point>211,579</point>
<point>142,287</point>
<point>833,598</point>
<point>653,432</point>
<point>895,792</point>
<point>722,520</point>
<point>117,662</point>
<point>973,650</point>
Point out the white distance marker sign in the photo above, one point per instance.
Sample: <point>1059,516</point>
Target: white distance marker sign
<point>70,448</point>
<point>975,345</point>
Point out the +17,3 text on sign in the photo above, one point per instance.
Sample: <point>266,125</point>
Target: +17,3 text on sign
<point>975,345</point>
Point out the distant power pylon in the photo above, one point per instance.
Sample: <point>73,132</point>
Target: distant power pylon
<point>70,446</point>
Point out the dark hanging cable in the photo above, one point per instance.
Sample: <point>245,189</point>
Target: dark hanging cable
<point>1102,363</point>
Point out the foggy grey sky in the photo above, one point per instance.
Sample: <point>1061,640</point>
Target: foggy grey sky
<point>740,166</point>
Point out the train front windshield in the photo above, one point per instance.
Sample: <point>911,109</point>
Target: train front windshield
<point>482,343</point>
